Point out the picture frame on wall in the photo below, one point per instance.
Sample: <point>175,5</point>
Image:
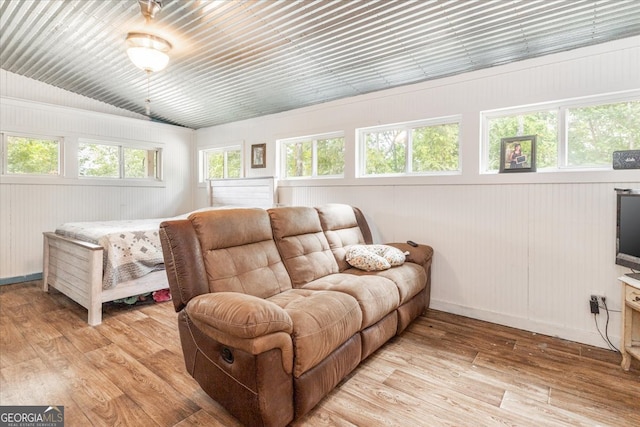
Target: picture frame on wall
<point>258,156</point>
<point>518,154</point>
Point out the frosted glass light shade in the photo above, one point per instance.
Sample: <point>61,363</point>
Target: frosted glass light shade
<point>148,52</point>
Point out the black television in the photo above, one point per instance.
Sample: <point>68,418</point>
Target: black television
<point>628,231</point>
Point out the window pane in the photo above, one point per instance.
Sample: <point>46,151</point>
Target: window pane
<point>220,163</point>
<point>135,163</point>
<point>385,152</point>
<point>32,156</point>
<point>298,159</point>
<point>544,124</point>
<point>435,148</point>
<point>595,132</point>
<point>234,164</point>
<point>215,164</point>
<point>98,160</point>
<point>330,154</point>
<point>153,160</point>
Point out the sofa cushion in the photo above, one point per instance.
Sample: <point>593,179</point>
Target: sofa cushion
<point>341,227</point>
<point>239,253</point>
<point>376,295</point>
<point>322,322</point>
<point>302,244</point>
<point>409,278</point>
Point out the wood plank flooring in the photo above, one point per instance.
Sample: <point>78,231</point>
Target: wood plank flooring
<point>445,370</point>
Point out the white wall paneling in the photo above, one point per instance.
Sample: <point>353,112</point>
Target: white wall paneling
<point>524,250</point>
<point>523,255</point>
<point>31,206</point>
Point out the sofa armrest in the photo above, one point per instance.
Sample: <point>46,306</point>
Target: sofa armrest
<point>420,254</point>
<point>239,315</point>
<point>183,261</point>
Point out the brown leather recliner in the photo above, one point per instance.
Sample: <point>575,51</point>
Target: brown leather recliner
<point>271,316</point>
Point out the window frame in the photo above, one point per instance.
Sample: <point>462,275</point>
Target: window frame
<point>562,141</point>
<point>156,177</point>
<point>282,143</point>
<point>408,127</point>
<point>203,174</point>
<point>4,147</point>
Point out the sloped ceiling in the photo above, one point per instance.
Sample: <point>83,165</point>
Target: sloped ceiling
<point>238,59</point>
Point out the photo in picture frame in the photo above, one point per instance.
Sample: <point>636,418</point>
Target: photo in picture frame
<point>518,154</point>
<point>258,156</point>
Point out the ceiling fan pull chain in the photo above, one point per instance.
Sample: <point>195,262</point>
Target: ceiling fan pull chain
<point>147,102</point>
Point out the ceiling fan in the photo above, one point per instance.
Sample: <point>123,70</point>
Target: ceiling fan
<point>148,51</point>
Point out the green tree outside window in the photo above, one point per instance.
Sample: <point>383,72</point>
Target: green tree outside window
<point>33,156</point>
<point>98,160</point>
<point>435,148</point>
<point>234,164</point>
<point>313,157</point>
<point>412,149</point>
<point>223,163</point>
<point>135,163</point>
<point>595,132</point>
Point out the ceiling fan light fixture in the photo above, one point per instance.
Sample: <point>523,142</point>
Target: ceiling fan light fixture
<point>148,52</point>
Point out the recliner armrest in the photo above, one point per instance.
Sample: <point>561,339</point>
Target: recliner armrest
<point>420,254</point>
<point>240,315</point>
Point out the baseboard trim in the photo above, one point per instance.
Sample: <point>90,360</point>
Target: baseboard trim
<point>584,337</point>
<point>20,279</point>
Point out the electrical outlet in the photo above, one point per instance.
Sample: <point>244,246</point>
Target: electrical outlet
<point>594,303</point>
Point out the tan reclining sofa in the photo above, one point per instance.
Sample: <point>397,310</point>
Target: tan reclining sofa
<point>271,316</point>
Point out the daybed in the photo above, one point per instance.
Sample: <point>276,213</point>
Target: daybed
<point>271,315</point>
<point>97,262</point>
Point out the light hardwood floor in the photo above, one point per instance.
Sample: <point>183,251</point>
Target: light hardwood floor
<point>445,370</point>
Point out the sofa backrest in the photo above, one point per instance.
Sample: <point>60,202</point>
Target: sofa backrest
<point>302,244</point>
<point>239,253</point>
<point>257,252</point>
<point>343,226</point>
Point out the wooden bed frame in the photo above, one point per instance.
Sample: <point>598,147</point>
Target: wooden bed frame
<point>74,267</point>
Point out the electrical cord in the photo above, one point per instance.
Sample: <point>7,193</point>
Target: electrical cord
<point>606,328</point>
<point>613,311</point>
<point>604,306</point>
<point>605,337</point>
<point>595,320</point>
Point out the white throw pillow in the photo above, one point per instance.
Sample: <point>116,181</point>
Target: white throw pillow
<point>374,257</point>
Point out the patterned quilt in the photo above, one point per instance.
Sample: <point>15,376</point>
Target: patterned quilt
<point>132,248</point>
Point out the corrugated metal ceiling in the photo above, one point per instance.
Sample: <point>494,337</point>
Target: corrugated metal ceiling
<point>237,59</point>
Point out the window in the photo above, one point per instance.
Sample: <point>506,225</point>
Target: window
<point>104,160</point>
<point>410,148</point>
<point>569,135</point>
<point>542,123</point>
<point>139,163</point>
<point>594,132</point>
<point>32,155</point>
<point>309,157</point>
<point>225,162</point>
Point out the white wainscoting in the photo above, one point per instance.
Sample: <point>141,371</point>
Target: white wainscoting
<point>31,206</point>
<point>522,255</point>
